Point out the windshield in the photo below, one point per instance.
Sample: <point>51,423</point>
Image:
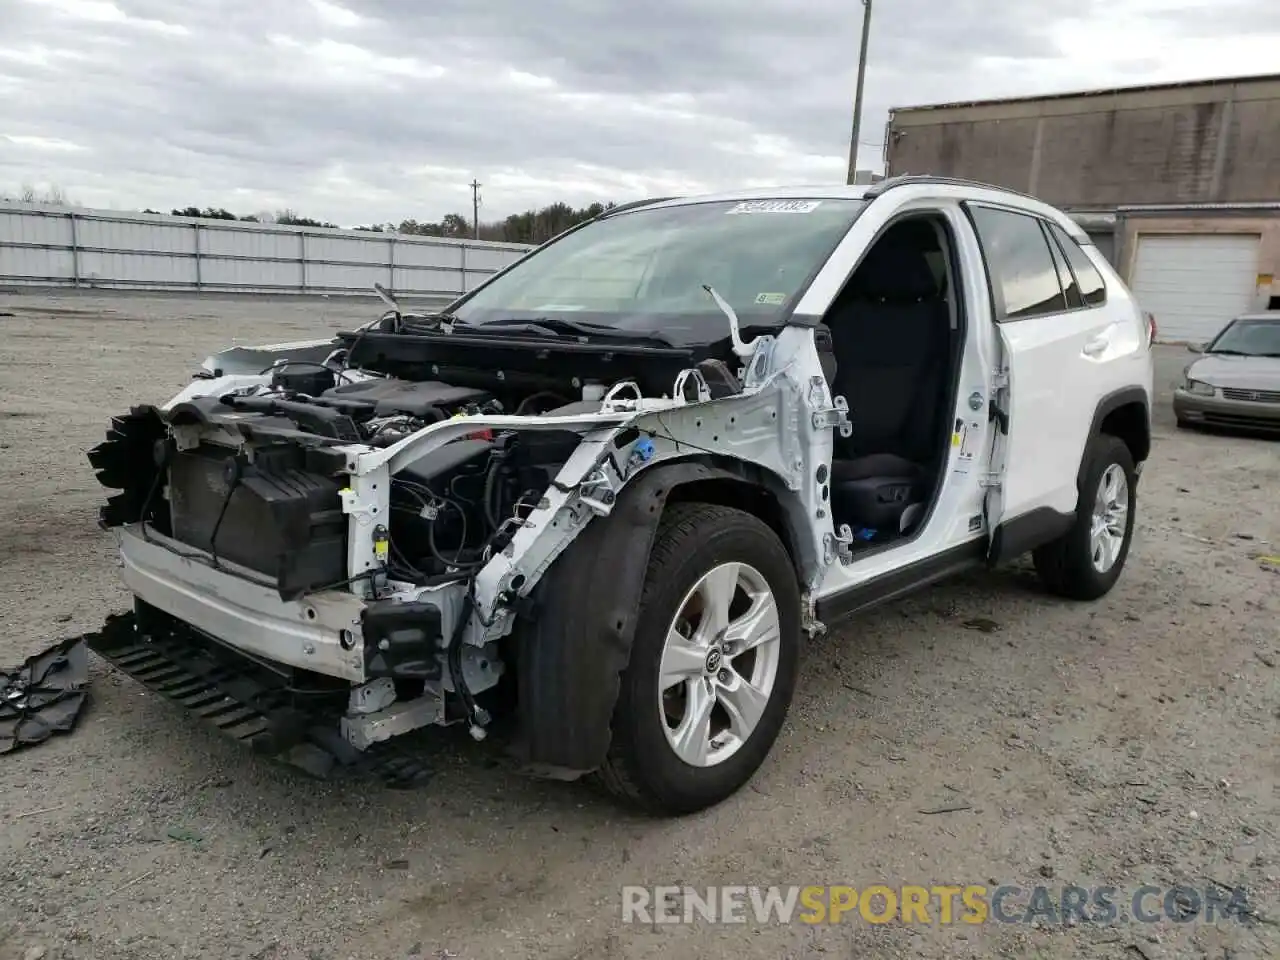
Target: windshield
<point>1251,336</point>
<point>644,270</point>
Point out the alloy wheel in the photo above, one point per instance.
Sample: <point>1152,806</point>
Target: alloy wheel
<point>719,664</point>
<point>1110,518</point>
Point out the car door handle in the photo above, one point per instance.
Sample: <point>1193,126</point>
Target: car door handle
<point>1098,344</point>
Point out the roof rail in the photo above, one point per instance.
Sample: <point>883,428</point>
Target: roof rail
<point>632,204</point>
<point>908,179</point>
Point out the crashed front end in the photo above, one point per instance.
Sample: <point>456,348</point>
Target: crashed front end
<point>249,526</point>
<point>325,556</point>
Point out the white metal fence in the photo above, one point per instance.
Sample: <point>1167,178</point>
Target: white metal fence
<point>45,246</point>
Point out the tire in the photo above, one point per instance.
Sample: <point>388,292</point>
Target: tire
<point>643,767</point>
<point>1067,565</point>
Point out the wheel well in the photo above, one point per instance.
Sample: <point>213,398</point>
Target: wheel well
<point>744,495</point>
<point>1129,423</point>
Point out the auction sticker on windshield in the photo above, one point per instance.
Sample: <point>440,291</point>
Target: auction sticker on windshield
<point>776,206</point>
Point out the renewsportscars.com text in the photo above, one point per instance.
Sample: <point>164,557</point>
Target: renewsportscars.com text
<point>936,904</point>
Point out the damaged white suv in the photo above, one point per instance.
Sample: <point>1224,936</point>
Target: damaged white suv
<point>603,497</point>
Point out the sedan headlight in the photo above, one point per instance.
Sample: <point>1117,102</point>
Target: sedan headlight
<point>1198,387</point>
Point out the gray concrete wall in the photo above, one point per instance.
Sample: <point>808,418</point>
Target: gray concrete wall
<point>1177,144</point>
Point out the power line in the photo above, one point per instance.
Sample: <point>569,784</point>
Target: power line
<point>475,208</point>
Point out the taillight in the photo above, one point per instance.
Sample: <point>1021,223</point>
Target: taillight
<point>1152,329</point>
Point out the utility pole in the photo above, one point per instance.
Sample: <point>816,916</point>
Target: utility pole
<point>857,95</point>
<point>475,209</point>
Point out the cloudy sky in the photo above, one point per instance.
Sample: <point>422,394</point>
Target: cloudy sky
<point>363,111</point>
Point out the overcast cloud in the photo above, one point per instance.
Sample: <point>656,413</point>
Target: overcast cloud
<point>363,111</point>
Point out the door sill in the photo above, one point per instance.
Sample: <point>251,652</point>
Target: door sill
<point>902,581</point>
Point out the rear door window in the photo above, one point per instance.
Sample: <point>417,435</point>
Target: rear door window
<point>1020,263</point>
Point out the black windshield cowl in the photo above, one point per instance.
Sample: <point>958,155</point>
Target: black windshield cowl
<point>510,358</point>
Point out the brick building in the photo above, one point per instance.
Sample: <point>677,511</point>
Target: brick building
<point>1178,183</point>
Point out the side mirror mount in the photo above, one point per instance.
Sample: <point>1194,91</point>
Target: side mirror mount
<point>1195,348</point>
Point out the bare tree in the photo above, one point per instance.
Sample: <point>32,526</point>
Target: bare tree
<point>54,196</point>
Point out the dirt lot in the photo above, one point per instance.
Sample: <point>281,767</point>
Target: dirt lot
<point>1129,742</point>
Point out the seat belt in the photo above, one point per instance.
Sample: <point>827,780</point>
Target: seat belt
<point>934,365</point>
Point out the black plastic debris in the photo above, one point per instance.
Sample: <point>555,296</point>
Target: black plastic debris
<point>44,696</point>
<point>262,707</point>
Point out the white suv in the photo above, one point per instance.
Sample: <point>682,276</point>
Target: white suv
<point>608,492</point>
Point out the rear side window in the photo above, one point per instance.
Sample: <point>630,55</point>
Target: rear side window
<point>1092,288</point>
<point>1069,285</point>
<point>1020,263</point>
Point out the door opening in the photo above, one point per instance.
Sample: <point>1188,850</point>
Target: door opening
<point>897,339</point>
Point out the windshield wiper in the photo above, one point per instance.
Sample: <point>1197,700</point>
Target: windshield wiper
<point>559,326</point>
<point>1230,353</point>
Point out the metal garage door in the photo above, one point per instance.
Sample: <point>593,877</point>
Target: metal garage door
<point>1195,283</point>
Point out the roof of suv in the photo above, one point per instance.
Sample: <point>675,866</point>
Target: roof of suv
<point>915,186</point>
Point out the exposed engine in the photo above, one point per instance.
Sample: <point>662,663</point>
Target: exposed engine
<point>278,509</point>
<point>252,471</point>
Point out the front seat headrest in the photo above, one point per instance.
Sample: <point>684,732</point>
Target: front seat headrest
<point>894,273</point>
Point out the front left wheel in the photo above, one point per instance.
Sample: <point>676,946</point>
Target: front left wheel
<point>713,662</point>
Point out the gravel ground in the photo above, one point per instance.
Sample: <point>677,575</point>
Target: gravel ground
<point>1128,742</point>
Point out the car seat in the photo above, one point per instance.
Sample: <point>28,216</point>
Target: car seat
<point>890,338</point>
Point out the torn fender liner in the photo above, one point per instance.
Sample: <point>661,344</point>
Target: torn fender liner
<point>571,655</point>
<point>44,696</point>
<point>264,707</point>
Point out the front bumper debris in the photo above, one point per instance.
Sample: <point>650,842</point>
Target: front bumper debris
<point>44,696</point>
<point>290,716</point>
